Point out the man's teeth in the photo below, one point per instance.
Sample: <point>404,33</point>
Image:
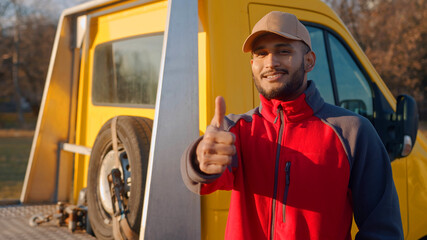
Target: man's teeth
<point>273,76</point>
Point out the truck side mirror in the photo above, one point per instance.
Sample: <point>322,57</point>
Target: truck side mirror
<point>406,118</point>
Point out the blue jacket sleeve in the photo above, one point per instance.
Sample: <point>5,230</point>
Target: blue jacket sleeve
<point>375,200</point>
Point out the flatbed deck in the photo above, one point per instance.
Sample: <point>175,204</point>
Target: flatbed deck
<point>14,224</point>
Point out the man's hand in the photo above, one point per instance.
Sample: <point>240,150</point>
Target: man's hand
<point>215,151</point>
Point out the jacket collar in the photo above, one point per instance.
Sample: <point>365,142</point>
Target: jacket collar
<point>307,104</point>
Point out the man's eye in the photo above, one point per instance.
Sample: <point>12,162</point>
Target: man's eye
<point>260,54</point>
<point>284,52</point>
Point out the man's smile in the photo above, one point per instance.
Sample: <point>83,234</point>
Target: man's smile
<point>273,75</point>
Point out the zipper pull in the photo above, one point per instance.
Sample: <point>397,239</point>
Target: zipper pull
<point>279,108</point>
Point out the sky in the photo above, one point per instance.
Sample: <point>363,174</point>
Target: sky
<point>49,8</point>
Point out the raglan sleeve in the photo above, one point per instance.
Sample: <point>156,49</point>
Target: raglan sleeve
<point>202,183</point>
<point>375,201</point>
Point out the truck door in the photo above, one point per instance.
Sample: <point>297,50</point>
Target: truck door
<point>352,89</point>
<point>343,79</point>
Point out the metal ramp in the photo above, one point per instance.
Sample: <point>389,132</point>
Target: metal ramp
<point>14,224</point>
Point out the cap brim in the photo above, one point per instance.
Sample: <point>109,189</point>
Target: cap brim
<point>247,45</point>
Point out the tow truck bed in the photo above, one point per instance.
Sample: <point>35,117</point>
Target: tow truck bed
<point>14,224</point>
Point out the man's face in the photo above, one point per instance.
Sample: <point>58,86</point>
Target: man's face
<point>279,67</point>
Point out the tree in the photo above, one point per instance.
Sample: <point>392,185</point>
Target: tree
<point>36,45</point>
<point>26,39</point>
<point>393,35</point>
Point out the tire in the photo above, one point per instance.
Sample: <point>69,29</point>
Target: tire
<point>134,135</point>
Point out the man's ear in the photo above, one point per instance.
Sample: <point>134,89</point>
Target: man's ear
<point>252,61</point>
<point>309,61</point>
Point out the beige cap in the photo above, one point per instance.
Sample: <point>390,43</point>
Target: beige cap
<point>283,24</point>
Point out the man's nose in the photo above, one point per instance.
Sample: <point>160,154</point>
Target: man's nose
<point>271,61</point>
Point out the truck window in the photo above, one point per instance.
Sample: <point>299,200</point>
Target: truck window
<point>352,88</point>
<point>127,71</point>
<point>354,91</point>
<point>320,74</point>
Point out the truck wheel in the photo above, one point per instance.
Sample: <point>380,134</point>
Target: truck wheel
<point>134,135</point>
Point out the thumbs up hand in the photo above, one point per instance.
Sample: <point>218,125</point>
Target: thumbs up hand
<point>215,151</point>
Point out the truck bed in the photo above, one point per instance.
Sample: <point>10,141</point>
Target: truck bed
<point>14,224</point>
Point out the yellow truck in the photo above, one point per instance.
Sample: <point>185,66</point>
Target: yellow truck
<point>132,83</point>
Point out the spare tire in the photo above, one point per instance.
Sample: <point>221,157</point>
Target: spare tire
<point>134,135</point>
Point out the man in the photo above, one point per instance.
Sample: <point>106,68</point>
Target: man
<point>297,167</point>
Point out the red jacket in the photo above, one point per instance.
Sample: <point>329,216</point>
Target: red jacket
<point>301,169</point>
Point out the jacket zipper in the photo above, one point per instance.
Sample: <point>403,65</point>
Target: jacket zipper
<point>276,170</point>
<point>285,195</point>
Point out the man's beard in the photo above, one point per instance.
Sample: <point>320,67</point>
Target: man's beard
<point>296,80</point>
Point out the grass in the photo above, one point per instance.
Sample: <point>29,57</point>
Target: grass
<point>10,120</point>
<point>14,153</point>
<point>15,146</point>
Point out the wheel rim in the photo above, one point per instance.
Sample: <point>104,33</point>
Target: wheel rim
<point>109,163</point>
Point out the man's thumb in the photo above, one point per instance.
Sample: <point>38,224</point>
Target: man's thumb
<point>218,119</point>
